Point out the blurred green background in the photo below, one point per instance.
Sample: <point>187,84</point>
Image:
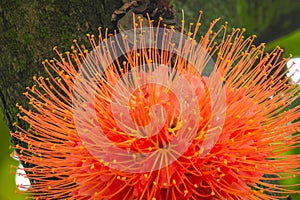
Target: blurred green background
<point>274,22</point>
<point>7,176</point>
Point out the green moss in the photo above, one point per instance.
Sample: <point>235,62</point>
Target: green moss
<point>29,31</point>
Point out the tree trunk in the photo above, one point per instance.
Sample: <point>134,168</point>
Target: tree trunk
<point>28,32</point>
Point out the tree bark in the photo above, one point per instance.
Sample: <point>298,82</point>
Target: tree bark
<point>28,32</point>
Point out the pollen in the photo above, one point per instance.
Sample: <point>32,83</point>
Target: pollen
<point>225,161</point>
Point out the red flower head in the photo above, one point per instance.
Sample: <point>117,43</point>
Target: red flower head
<point>151,114</point>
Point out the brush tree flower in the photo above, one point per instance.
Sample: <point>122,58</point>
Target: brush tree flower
<point>153,114</point>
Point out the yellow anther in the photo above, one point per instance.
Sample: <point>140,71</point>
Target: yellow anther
<point>53,147</point>
<point>225,161</point>
<point>33,87</point>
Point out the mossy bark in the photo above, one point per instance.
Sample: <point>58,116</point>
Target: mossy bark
<point>28,32</point>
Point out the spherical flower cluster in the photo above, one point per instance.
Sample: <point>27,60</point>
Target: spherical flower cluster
<point>147,115</point>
